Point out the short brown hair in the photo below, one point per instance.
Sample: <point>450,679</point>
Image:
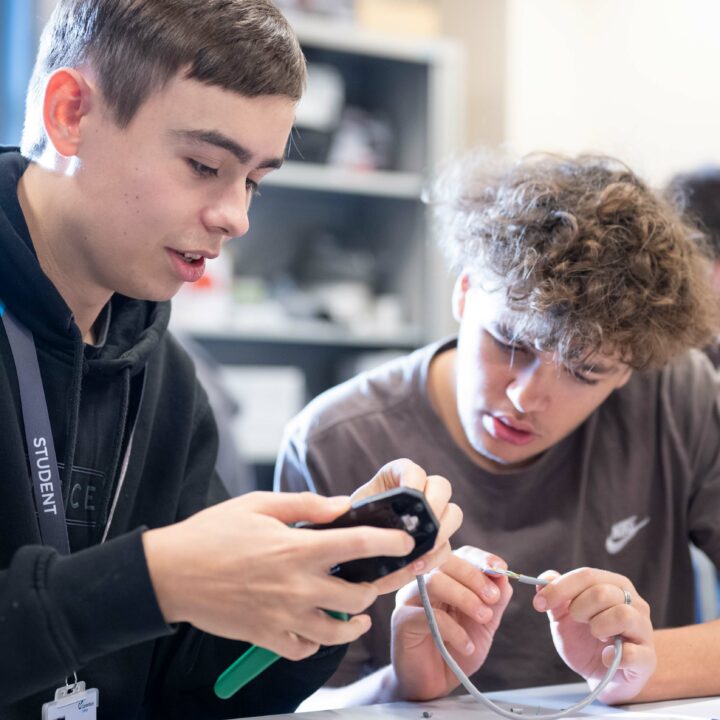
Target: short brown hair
<point>592,258</point>
<point>136,46</point>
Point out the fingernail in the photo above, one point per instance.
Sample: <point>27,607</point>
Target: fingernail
<point>491,592</point>
<point>540,603</point>
<point>469,648</point>
<point>418,566</point>
<point>496,562</point>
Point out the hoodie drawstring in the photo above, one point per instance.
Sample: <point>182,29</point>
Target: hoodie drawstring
<point>73,421</point>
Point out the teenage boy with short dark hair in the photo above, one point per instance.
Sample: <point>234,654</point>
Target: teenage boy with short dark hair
<point>149,125</point>
<point>576,425</point>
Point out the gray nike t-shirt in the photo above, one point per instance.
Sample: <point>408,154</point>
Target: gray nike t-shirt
<point>627,491</point>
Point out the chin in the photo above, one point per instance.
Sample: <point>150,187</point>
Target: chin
<point>151,295</point>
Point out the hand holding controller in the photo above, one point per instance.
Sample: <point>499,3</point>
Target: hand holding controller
<point>400,508</point>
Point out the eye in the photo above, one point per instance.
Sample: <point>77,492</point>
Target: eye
<point>252,187</point>
<point>507,347</point>
<point>581,378</point>
<point>201,170</point>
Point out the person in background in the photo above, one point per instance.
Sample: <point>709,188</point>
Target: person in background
<point>578,424</point>
<point>149,126</point>
<point>698,193</point>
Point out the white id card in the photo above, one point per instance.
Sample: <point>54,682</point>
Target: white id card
<point>72,702</point>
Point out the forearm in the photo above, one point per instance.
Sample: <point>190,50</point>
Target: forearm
<point>688,659</point>
<point>62,612</point>
<point>379,687</point>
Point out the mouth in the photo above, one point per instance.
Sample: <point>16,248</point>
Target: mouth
<point>188,265</point>
<point>507,429</point>
<point>194,256</point>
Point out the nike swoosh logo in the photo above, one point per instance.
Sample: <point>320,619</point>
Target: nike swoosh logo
<point>615,544</point>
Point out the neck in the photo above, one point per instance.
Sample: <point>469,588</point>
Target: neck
<point>54,237</point>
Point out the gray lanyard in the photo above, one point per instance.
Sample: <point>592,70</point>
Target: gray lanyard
<point>38,436</point>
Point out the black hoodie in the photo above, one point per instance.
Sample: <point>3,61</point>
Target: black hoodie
<point>134,426</point>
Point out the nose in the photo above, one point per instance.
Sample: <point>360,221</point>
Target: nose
<point>530,389</point>
<point>228,214</point>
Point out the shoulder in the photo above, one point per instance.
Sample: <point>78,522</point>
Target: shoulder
<point>364,398</point>
<point>680,401</point>
<point>688,381</point>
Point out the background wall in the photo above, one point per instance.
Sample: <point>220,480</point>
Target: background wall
<point>634,78</point>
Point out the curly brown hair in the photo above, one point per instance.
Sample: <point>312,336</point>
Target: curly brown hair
<point>592,258</point>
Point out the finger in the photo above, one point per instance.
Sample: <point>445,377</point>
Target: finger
<point>411,623</point>
<point>438,492</point>
<point>332,593</point>
<point>445,590</point>
<point>293,507</point>
<point>621,620</point>
<point>319,627</point>
<point>636,659</point>
<point>330,547</point>
<point>450,520</point>
<point>397,473</point>
<point>540,601</point>
<point>399,578</point>
<point>289,645</point>
<point>567,587</point>
<point>467,565</point>
<point>598,598</point>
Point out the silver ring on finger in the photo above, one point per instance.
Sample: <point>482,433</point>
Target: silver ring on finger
<point>627,599</point>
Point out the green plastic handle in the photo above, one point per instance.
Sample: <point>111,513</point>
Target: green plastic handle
<point>250,664</point>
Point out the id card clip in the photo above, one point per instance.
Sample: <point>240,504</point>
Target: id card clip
<point>72,702</point>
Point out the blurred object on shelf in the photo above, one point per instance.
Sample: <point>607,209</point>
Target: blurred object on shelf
<point>207,303</point>
<point>349,306</point>
<point>363,141</point>
<point>324,258</point>
<point>347,303</point>
<point>339,9</point>
<point>419,18</point>
<point>319,113</point>
<point>269,397</point>
<point>254,307</point>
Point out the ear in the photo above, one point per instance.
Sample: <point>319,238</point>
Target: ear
<point>67,101</point>
<point>462,285</point>
<point>624,378</point>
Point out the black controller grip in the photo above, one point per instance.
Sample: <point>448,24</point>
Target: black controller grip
<point>401,508</point>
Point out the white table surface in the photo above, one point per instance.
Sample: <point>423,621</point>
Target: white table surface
<point>531,701</point>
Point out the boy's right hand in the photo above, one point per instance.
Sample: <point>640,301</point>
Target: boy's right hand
<point>239,571</point>
<point>469,606</point>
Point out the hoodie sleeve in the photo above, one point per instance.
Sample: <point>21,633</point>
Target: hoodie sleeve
<point>186,665</point>
<point>57,613</point>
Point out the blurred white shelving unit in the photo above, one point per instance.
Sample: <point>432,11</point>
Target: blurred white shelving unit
<point>417,86</point>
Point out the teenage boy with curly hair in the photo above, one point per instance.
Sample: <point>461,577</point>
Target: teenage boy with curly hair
<point>149,125</point>
<point>578,427</point>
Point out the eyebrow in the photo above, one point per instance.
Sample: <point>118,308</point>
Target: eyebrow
<point>596,368</point>
<point>218,139</point>
<point>504,330</point>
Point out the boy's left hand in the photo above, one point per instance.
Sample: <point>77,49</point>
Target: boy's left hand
<point>437,491</point>
<point>587,608</point>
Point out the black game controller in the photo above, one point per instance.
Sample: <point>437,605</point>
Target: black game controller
<point>401,508</point>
